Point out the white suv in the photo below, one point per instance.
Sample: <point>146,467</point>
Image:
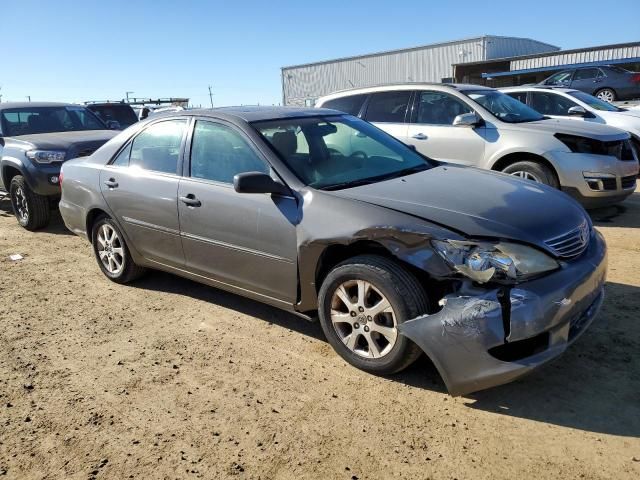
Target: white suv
<point>482,127</point>
<point>560,102</point>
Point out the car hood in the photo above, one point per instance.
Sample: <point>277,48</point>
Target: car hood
<point>477,203</point>
<point>65,140</point>
<point>598,131</point>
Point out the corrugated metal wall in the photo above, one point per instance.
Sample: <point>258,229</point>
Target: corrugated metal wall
<point>577,57</point>
<point>424,64</point>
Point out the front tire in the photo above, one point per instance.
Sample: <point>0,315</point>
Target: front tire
<point>534,171</point>
<point>31,210</point>
<point>112,253</point>
<point>361,303</point>
<point>606,94</point>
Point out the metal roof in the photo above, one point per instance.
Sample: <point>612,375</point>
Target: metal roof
<point>561,67</point>
<point>259,113</point>
<point>420,47</point>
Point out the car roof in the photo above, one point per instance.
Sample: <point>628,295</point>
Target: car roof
<point>540,87</point>
<point>260,113</point>
<point>405,86</point>
<point>7,105</point>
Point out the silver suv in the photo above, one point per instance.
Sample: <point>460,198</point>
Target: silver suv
<point>482,127</point>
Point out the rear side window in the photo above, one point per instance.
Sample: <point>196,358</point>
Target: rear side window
<point>219,153</point>
<point>158,147</point>
<point>350,105</point>
<point>586,74</point>
<point>548,103</point>
<point>389,107</point>
<point>520,96</point>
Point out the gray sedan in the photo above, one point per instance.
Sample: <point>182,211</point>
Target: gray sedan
<point>324,215</point>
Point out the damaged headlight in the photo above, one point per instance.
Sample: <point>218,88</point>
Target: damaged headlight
<point>486,261</point>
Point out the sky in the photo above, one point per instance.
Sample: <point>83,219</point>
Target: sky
<point>63,50</point>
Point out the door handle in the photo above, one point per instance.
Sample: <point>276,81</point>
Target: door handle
<point>191,200</point>
<point>111,183</point>
<point>420,136</point>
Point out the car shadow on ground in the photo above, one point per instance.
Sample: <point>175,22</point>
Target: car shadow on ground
<point>56,226</point>
<point>625,214</point>
<point>593,386</point>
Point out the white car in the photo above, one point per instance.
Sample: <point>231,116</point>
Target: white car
<point>482,127</point>
<point>558,102</point>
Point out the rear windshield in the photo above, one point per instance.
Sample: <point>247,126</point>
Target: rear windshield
<point>33,120</point>
<point>123,114</point>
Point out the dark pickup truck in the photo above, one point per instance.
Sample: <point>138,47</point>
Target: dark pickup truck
<point>35,139</point>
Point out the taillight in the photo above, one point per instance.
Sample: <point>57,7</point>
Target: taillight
<point>60,177</point>
<point>635,78</point>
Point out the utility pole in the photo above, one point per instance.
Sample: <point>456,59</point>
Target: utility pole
<point>29,97</point>
<point>210,96</point>
<point>127,95</point>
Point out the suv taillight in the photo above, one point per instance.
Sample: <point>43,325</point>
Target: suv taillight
<point>636,78</point>
<point>60,177</point>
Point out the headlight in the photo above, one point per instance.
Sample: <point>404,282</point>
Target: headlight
<point>46,156</point>
<point>578,144</point>
<point>502,261</point>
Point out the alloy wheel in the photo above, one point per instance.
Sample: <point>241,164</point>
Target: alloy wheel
<point>526,175</point>
<point>110,249</point>
<point>364,319</point>
<point>20,204</point>
<point>606,95</point>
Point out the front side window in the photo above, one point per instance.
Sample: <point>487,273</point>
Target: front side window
<point>389,107</point>
<point>350,105</point>
<point>334,152</point>
<point>548,103</point>
<point>559,78</point>
<point>34,120</point>
<point>586,74</point>
<point>503,106</point>
<point>219,152</point>
<point>439,108</point>
<point>594,102</point>
<point>157,148</point>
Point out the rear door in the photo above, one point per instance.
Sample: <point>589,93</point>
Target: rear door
<point>140,186</point>
<point>388,111</point>
<point>432,132</point>
<point>587,79</point>
<point>244,240</point>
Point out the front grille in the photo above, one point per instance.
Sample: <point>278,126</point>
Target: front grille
<point>628,182</point>
<point>609,183</point>
<point>86,152</point>
<point>570,244</point>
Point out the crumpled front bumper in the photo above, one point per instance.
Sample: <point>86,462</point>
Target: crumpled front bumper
<point>486,337</point>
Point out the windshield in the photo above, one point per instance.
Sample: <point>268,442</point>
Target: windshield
<point>503,106</point>
<point>30,120</point>
<point>123,114</point>
<point>339,151</point>
<point>594,102</point>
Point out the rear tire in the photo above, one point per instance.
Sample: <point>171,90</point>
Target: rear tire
<point>31,210</point>
<point>366,339</point>
<point>534,171</point>
<point>112,253</point>
<point>606,94</point>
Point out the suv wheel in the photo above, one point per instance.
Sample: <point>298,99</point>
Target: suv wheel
<point>535,171</point>
<point>112,253</point>
<point>606,94</point>
<point>31,210</point>
<point>361,303</point>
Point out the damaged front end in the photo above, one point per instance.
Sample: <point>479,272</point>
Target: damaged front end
<point>490,331</point>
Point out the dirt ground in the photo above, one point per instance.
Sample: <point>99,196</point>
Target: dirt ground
<point>167,378</point>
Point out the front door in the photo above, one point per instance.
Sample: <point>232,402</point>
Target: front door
<point>244,240</point>
<point>141,188</point>
<point>432,132</point>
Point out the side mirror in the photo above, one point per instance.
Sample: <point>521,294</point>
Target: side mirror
<point>113,125</point>
<point>466,120</point>
<point>257,182</point>
<point>577,111</point>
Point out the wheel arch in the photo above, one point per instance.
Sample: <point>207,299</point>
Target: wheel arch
<point>511,158</point>
<point>92,216</point>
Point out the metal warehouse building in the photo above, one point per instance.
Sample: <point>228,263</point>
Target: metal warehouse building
<point>303,84</point>
<point>487,60</point>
